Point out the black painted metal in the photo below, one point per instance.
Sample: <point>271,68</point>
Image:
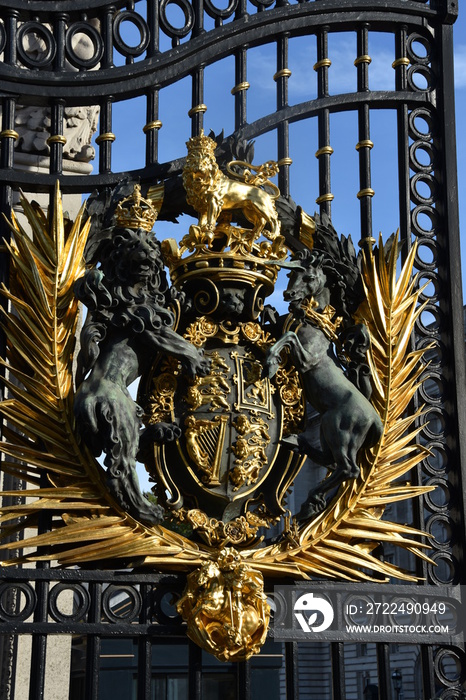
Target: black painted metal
<point>58,77</point>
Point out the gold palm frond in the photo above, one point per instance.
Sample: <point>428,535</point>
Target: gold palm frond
<point>340,542</point>
<point>42,447</point>
<point>40,440</point>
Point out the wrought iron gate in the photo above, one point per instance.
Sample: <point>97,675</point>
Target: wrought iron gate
<point>63,60</point>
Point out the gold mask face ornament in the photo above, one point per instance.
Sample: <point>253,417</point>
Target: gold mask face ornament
<point>224,602</point>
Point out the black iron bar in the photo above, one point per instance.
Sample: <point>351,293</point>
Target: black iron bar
<point>292,667</point>
<point>400,65</point>
<point>383,672</point>
<point>325,150</point>
<point>106,136</point>
<point>364,144</point>
<point>152,126</point>
<point>281,77</point>
<point>145,648</point>
<point>107,35</point>
<point>243,680</point>
<point>93,644</point>
<point>57,140</point>
<point>198,107</point>
<point>241,87</point>
<point>154,27</point>
<point>194,672</point>
<point>338,670</point>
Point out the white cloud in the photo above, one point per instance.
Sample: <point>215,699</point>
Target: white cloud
<point>342,73</point>
<point>460,66</point>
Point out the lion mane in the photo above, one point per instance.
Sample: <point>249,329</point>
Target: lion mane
<point>118,296</point>
<point>210,192</point>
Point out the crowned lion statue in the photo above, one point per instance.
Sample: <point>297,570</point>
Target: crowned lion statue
<point>210,192</point>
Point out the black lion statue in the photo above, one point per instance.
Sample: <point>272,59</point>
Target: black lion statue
<point>129,321</point>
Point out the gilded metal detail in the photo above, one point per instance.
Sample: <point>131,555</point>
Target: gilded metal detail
<point>108,136</point>
<point>403,61</point>
<point>366,143</point>
<point>325,320</point>
<point>9,134</point>
<point>367,192</point>
<point>325,150</point>
<point>136,212</point>
<point>204,441</point>
<point>291,395</point>
<point>198,109</point>
<point>56,138</point>
<point>161,403</point>
<point>325,198</point>
<point>211,193</point>
<point>211,390</point>
<point>150,126</point>
<point>249,449</point>
<point>283,73</point>
<point>240,87</point>
<point>254,392</point>
<point>323,63</point>
<point>225,607</point>
<point>362,59</point>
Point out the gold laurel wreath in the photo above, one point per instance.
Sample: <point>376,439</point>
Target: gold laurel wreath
<point>42,446</point>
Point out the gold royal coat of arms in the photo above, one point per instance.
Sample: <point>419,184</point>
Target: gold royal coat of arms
<point>226,387</point>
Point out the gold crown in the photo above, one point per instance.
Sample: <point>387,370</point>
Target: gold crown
<point>136,212</point>
<point>201,143</point>
<point>231,255</point>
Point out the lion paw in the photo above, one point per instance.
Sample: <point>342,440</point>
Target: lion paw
<point>158,433</point>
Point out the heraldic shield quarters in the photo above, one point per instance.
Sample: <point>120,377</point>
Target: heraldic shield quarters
<point>225,387</point>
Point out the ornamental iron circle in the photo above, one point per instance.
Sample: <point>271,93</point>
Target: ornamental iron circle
<point>46,55</point>
<point>419,149</point>
<point>433,426</point>
<point>440,527</point>
<point>436,462</point>
<point>188,12</point>
<point>445,569</point>
<point>365,612</point>
<point>278,607</point>
<point>121,603</point>
<point>435,351</point>
<point>426,253</point>
<point>448,666</point>
<point>417,44</point>
<point>93,35</point>
<point>425,220</point>
<point>30,601</point>
<point>429,319</point>
<point>218,13</point>
<point>421,73</point>
<point>428,181</point>
<point>80,602</point>
<point>2,38</point>
<point>417,118</point>
<point>433,388</point>
<point>164,599</point>
<point>429,292</point>
<point>260,4</point>
<point>140,24</point>
<point>439,498</point>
